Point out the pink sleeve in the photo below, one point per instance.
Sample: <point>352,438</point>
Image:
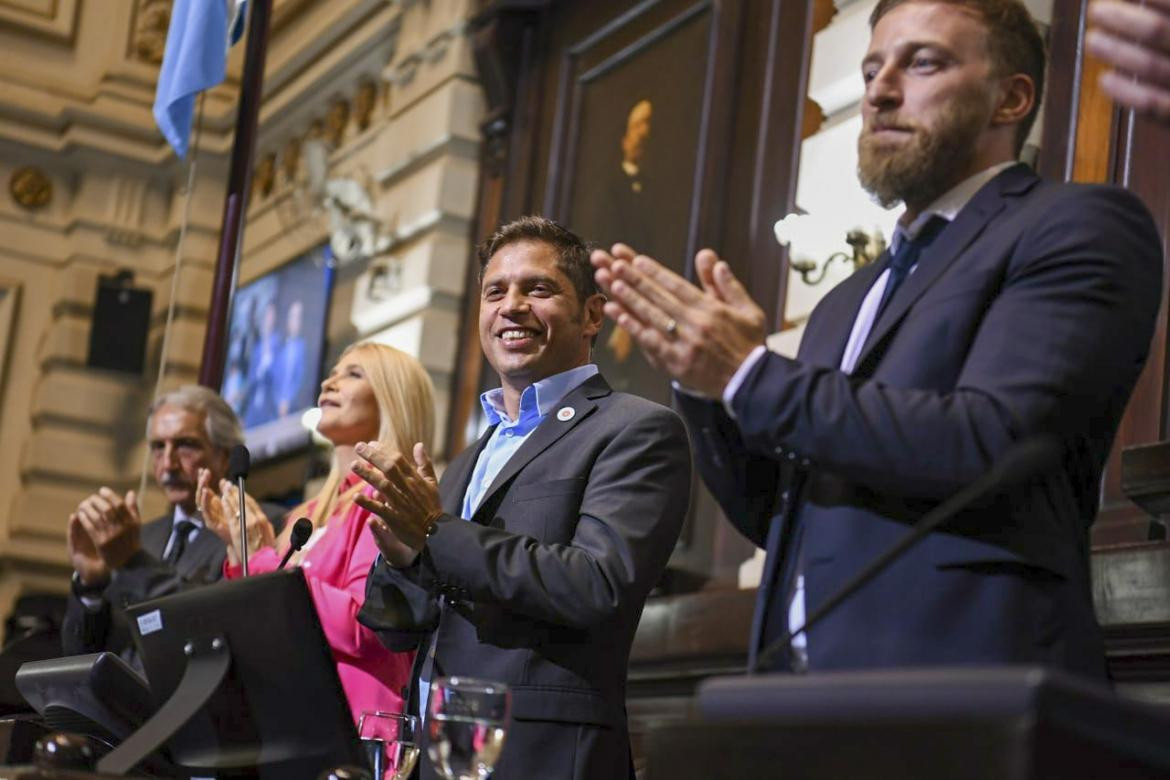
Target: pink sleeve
<point>261,561</point>
<point>338,601</point>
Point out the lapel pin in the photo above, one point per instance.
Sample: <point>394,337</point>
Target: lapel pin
<point>565,413</point>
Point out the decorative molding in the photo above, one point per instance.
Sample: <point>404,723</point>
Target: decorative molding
<point>124,218</point>
<point>152,18</point>
<point>336,122</point>
<point>30,188</point>
<point>55,19</point>
<point>364,103</point>
<point>9,300</point>
<point>264,177</point>
<point>434,50</point>
<point>290,159</point>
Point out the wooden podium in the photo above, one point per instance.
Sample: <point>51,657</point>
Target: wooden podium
<point>1008,723</point>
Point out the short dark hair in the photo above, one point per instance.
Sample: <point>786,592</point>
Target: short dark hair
<point>1014,43</point>
<point>572,251</point>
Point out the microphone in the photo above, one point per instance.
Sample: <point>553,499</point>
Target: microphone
<point>239,461</point>
<point>301,531</point>
<point>1020,464</point>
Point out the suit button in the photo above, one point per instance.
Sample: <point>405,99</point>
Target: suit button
<point>805,463</point>
<point>779,450</point>
<point>791,455</point>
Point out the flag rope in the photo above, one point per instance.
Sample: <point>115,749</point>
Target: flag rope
<point>166,342</point>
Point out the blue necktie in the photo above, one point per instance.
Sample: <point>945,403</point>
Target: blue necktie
<point>906,258</point>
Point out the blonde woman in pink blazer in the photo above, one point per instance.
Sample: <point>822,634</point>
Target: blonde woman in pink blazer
<point>374,392</point>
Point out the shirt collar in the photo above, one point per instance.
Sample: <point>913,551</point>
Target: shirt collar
<point>949,204</point>
<point>539,398</point>
<point>180,515</point>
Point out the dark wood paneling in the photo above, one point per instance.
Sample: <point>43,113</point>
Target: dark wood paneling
<point>1087,139</point>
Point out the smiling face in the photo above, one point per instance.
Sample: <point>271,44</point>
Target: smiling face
<point>531,323</point>
<point>179,447</point>
<point>349,410</point>
<point>932,105</point>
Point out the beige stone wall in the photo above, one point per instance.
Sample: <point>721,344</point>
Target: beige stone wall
<point>76,85</point>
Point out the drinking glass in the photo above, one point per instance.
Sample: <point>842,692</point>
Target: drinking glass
<point>466,723</point>
<point>391,743</point>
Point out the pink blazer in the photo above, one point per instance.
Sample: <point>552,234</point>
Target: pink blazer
<point>335,568</point>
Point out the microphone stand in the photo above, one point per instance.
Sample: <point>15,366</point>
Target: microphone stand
<point>243,526</point>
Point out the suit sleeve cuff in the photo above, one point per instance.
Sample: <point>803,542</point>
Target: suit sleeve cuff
<point>739,376</point>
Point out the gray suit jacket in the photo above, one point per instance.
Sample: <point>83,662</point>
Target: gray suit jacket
<point>145,576</point>
<point>544,587</point>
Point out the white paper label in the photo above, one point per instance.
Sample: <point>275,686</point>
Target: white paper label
<point>150,622</point>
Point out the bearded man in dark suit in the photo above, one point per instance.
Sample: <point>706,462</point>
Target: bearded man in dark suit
<point>1008,307</point>
<point>530,562</point>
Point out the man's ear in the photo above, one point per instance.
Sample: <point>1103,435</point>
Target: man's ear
<point>594,314</point>
<point>1016,100</point>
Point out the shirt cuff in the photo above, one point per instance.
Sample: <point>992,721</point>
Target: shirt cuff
<point>739,376</point>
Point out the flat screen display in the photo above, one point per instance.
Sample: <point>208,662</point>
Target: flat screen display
<point>275,345</point>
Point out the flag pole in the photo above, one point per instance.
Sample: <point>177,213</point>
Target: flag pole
<point>235,201</point>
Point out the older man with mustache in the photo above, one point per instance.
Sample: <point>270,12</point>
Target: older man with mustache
<point>1008,307</point>
<point>118,559</point>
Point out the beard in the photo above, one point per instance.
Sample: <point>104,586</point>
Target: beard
<point>931,161</point>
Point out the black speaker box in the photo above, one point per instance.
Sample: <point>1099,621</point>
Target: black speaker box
<point>121,319</point>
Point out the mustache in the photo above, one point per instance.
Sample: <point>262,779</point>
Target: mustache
<point>879,123</point>
<point>170,479</point>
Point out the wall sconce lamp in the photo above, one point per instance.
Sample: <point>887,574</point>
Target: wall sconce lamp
<point>800,229</point>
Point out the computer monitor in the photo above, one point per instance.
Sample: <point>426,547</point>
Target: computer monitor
<point>97,695</point>
<point>280,711</point>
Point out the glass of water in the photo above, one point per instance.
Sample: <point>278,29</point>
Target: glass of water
<point>391,743</point>
<point>466,723</point>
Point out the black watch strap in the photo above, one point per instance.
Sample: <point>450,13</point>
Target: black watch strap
<point>80,589</point>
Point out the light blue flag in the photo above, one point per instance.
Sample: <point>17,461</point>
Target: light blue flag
<point>195,59</point>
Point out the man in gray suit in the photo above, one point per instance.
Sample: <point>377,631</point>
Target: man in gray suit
<point>117,559</point>
<point>530,562</point>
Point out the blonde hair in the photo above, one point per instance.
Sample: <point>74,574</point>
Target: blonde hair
<point>406,414</point>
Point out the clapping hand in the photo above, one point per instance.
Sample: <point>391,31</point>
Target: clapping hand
<point>407,506</point>
<point>698,335</point>
<point>221,516</point>
<point>113,526</point>
<point>1135,40</point>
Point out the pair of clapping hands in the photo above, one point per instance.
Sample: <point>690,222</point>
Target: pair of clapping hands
<point>104,532</point>
<point>220,506</point>
<point>404,510</point>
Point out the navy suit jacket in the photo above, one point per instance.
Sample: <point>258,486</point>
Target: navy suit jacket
<point>542,589</point>
<point>1031,313</point>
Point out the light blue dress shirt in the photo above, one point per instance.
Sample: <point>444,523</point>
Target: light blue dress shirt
<point>537,400</point>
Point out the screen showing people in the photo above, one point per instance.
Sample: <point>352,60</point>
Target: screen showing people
<point>274,351</point>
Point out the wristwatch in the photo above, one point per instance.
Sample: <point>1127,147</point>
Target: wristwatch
<point>81,590</point>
